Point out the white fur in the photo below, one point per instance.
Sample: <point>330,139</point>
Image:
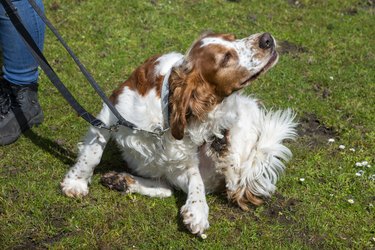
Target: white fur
<point>149,187</point>
<point>166,62</point>
<point>252,160</point>
<point>256,151</point>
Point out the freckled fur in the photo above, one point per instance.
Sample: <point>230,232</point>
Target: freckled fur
<point>203,102</point>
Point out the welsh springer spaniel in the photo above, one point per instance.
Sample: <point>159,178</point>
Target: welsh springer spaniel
<point>215,138</point>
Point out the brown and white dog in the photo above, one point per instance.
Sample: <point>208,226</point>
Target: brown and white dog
<point>216,139</point>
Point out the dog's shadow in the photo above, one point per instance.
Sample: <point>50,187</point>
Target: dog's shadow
<point>180,201</point>
<point>111,160</point>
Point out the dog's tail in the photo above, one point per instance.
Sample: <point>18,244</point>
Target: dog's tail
<point>266,160</point>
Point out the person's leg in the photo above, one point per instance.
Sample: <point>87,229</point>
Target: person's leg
<point>19,65</point>
<point>20,73</point>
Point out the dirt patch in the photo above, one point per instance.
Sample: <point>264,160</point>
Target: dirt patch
<point>321,91</point>
<point>311,239</point>
<point>367,4</point>
<point>10,170</point>
<point>31,243</point>
<point>56,238</point>
<point>13,194</point>
<point>252,18</point>
<point>316,133</point>
<point>286,47</point>
<point>284,211</point>
<point>55,218</point>
<point>280,208</point>
<point>54,6</point>
<point>352,11</point>
<point>28,244</point>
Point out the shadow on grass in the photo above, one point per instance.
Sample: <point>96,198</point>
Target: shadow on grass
<point>111,160</point>
<point>64,155</point>
<point>180,201</point>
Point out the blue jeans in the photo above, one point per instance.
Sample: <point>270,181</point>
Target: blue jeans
<point>19,66</point>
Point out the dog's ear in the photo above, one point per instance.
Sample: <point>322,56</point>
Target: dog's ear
<point>178,115</point>
<point>202,99</point>
<point>191,96</point>
<point>180,94</point>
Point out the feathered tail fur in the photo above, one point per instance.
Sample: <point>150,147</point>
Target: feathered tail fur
<point>266,160</point>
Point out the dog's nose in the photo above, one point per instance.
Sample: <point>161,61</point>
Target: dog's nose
<point>266,41</point>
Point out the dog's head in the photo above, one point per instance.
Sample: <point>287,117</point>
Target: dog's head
<point>215,66</point>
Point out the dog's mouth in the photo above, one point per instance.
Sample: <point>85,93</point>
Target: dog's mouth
<point>271,62</point>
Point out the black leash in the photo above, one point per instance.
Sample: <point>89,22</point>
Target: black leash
<point>38,55</point>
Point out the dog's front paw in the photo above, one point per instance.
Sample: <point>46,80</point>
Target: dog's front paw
<point>74,187</point>
<point>195,216</point>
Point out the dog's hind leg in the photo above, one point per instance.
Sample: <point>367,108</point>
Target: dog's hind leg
<point>75,183</point>
<point>128,183</point>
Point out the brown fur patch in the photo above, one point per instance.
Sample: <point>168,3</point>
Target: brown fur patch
<point>242,197</point>
<point>142,80</point>
<point>129,180</point>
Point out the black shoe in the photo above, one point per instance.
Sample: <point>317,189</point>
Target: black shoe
<point>19,110</point>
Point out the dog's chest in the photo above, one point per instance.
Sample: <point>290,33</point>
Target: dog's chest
<point>152,156</point>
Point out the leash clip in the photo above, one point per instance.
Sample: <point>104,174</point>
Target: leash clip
<point>112,128</point>
<point>158,132</point>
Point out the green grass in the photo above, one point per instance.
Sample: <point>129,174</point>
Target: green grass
<point>327,77</point>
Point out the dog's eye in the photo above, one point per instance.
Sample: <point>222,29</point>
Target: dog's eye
<point>226,58</point>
